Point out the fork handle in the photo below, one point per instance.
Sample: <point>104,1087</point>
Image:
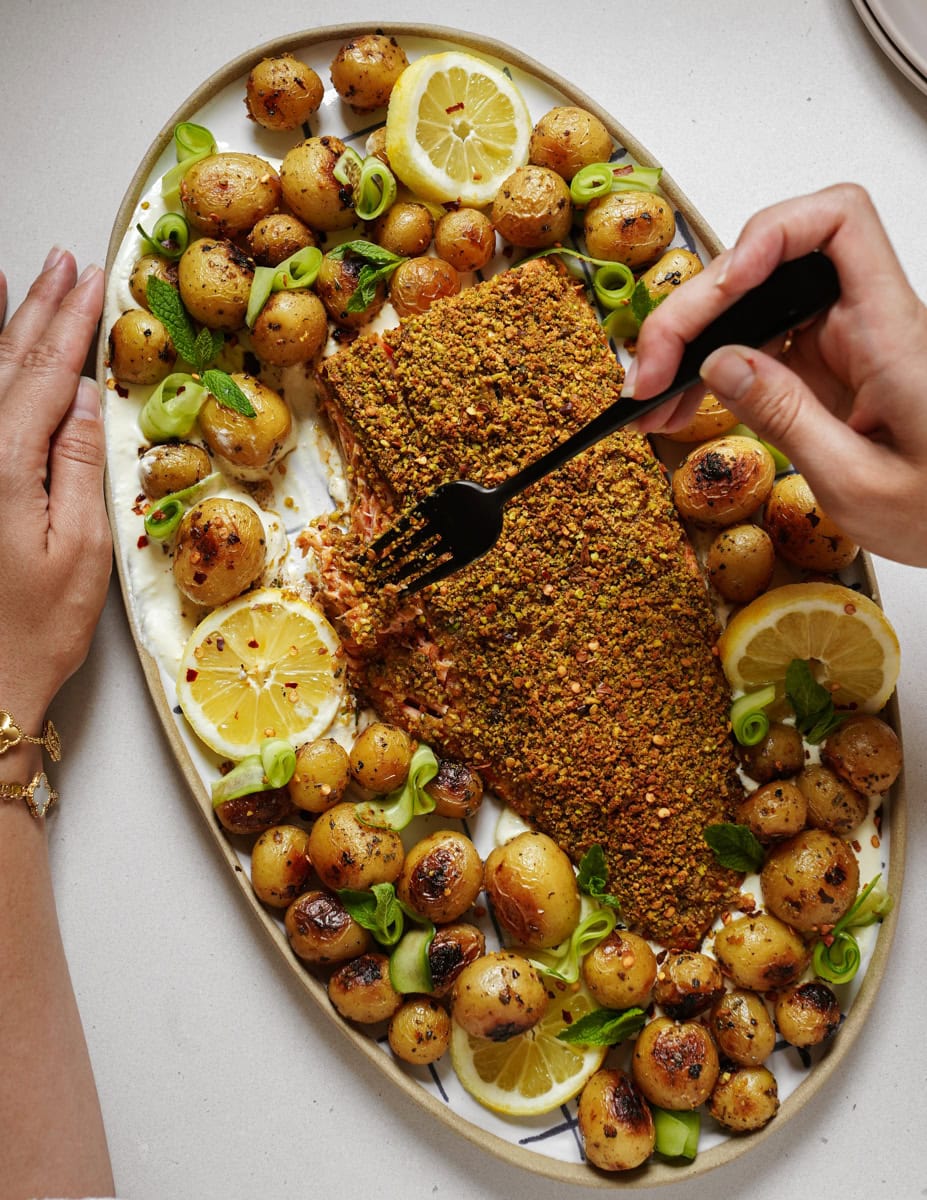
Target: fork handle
<point>795,292</point>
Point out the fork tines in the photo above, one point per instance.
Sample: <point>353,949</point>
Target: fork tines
<point>410,547</point>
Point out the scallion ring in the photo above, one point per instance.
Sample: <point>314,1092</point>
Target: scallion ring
<point>300,270</point>
<point>166,514</point>
<point>172,408</point>
<point>375,191</point>
<point>563,962</point>
<point>748,720</point>
<point>590,182</point>
<point>839,961</point>
<point>640,179</point>
<point>347,170</point>
<point>170,236</point>
<point>279,760</point>
<point>613,285</point>
<point>191,143</point>
<point>243,780</point>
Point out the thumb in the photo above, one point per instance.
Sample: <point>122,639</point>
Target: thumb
<point>783,410</point>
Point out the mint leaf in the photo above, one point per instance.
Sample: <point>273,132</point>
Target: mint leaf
<point>164,301</point>
<point>379,264</point>
<point>377,910</point>
<point>734,847</point>
<point>227,392</point>
<point>207,345</point>
<point>815,716</point>
<point>369,251</point>
<point>592,876</point>
<point>604,1027</point>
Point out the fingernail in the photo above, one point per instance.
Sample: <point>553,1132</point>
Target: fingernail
<point>729,372</point>
<point>86,403</point>
<point>87,274</point>
<point>630,377</point>
<point>55,256</point>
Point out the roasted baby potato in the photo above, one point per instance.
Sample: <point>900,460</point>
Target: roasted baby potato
<point>162,268</point>
<point>172,467</point>
<point>532,886</point>
<point>346,853</point>
<point>743,1030</point>
<point>810,880</point>
<point>807,1013</point>
<point>724,481</point>
<point>801,531</point>
<point>675,1066</point>
<point>215,279</point>
<point>406,228</point>
<point>310,188</point>
<point>140,348</point>
<point>219,550</point>
<point>418,282</point>
<point>775,810</point>
<point>465,238</point>
<point>451,949</point>
<point>533,208</point>
<point>365,69</point>
<point>255,812</point>
<point>672,269</point>
<point>321,930</point>
<point>361,990</point>
<point>568,138</point>
<point>744,1100</point>
<point>420,1031</point>
<point>633,228</point>
<point>710,420</point>
<point>441,877</point>
<point>740,562</point>
<point>498,996</point>
<point>760,952</point>
<point>380,757</point>
<point>831,802</point>
<point>224,195</point>
<point>866,752</point>
<point>687,983</point>
<point>280,864</point>
<point>247,446</point>
<point>615,1122</point>
<point>456,790</point>
<point>291,328</point>
<point>321,776</point>
<point>274,238</point>
<point>621,970</point>
<point>282,92</point>
<point>337,282</point>
<point>778,755</point>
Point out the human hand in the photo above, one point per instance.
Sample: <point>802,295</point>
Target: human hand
<point>845,403</point>
<point>55,548</point>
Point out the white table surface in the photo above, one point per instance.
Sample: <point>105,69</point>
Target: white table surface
<point>217,1077</point>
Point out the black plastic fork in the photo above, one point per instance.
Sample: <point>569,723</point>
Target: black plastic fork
<point>459,522</point>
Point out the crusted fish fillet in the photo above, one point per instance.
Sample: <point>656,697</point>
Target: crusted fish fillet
<point>574,664</point>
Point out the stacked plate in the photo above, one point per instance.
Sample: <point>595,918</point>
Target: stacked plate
<point>900,29</point>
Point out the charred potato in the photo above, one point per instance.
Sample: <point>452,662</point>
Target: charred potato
<point>140,348</point>
<point>687,983</point>
<point>743,1030</point>
<point>321,930</point>
<point>219,551</point>
<point>807,1013</point>
<point>291,328</point>
<point>247,446</point>
<point>215,280</point>
<point>321,775</point>
<point>280,865</point>
<point>406,228</point>
<point>633,228</point>
<point>779,755</point>
<point>831,803</point>
<point>620,971</point>
<point>615,1122</point>
<point>346,853</point>
<point>224,195</point>
<point>441,877</point>
<point>672,269</point>
<point>361,990</point>
<point>310,188</point>
<point>365,69</point>
<point>282,92</point>
<point>380,757</point>
<point>276,237</point>
<point>675,1066</point>
<point>533,208</point>
<point>452,948</point>
<point>760,952</point>
<point>802,532</point>
<point>336,284</point>
<point>724,481</point>
<point>745,1100</point>
<point>172,467</point>
<point>465,238</point>
<point>810,880</point>
<point>247,815</point>
<point>775,810</point>
<point>161,268</point>
<point>866,752</point>
<point>532,886</point>
<point>710,420</point>
<point>740,562</point>
<point>568,138</point>
<point>418,282</point>
<point>498,996</point>
<point>420,1031</point>
<point>456,790</point>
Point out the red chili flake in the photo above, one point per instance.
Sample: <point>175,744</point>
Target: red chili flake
<point>291,684</point>
<point>626,170</point>
<point>458,107</point>
<point>567,1016</point>
<point>142,541</point>
<point>220,643</point>
<point>254,643</point>
<point>191,674</point>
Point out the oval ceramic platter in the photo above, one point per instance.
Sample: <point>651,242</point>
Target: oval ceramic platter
<point>314,484</point>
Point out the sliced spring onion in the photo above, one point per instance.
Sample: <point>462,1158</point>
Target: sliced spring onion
<point>347,169</point>
<point>409,965</point>
<point>170,236</point>
<point>397,809</point>
<point>613,285</point>
<point>600,179</point>
<point>244,779</point>
<point>837,957</point>
<point>191,143</point>
<point>166,514</point>
<point>279,760</point>
<point>172,408</point>
<point>622,323</point>
<point>376,189</point>
<point>748,720</point>
<point>563,962</point>
<point>377,910</point>
<point>677,1133</point>
<point>300,270</point>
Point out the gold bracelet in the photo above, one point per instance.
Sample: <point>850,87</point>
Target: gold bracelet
<point>38,794</point>
<point>11,735</point>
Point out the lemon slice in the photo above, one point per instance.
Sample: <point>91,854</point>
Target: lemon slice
<point>847,638</point>
<point>265,665</point>
<point>533,1072</point>
<point>456,128</point>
